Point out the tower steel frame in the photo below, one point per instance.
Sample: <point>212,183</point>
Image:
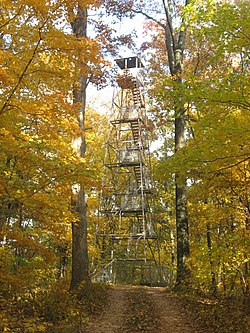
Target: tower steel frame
<point>126,233</point>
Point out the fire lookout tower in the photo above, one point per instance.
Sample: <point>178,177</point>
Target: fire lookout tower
<point>126,234</point>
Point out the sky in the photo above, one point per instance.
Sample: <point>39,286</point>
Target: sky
<point>102,99</point>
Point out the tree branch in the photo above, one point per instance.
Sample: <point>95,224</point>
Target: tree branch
<point>224,158</point>
<point>149,17</point>
<point>169,40</point>
<point>29,62</point>
<point>182,34</point>
<point>12,18</point>
<point>170,24</point>
<point>23,73</point>
<point>230,166</point>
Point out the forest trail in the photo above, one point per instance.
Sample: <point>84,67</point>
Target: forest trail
<point>133,309</point>
<point>113,315</point>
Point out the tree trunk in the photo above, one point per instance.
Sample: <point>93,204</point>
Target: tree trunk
<point>80,261</point>
<point>182,234</point>
<point>175,47</point>
<point>209,246</point>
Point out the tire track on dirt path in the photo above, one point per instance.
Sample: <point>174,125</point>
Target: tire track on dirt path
<point>171,314</point>
<point>114,313</point>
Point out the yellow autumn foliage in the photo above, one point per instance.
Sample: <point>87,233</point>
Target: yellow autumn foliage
<point>40,64</point>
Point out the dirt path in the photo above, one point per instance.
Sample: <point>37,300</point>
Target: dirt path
<point>142,309</point>
<point>171,315</point>
<point>113,315</point>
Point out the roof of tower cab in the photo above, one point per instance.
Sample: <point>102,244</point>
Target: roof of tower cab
<point>130,62</point>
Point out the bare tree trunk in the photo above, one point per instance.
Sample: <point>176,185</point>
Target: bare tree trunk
<point>209,246</point>
<point>182,233</point>
<point>182,225</point>
<point>80,260</point>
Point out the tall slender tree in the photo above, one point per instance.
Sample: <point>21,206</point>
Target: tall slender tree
<point>80,260</point>
<point>175,43</point>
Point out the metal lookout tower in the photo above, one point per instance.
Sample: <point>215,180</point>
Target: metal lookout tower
<point>126,234</point>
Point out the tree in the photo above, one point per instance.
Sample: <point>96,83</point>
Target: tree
<point>36,154</point>
<point>223,105</point>
<point>40,63</point>
<point>215,92</point>
<point>80,261</point>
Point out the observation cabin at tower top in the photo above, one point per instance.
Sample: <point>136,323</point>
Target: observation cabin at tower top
<point>131,77</point>
<point>131,62</point>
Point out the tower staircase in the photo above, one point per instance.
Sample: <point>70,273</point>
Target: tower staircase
<point>126,231</point>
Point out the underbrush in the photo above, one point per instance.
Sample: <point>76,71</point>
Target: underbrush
<point>55,310</point>
<point>219,315</point>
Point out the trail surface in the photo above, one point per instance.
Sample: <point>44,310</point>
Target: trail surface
<point>142,309</point>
